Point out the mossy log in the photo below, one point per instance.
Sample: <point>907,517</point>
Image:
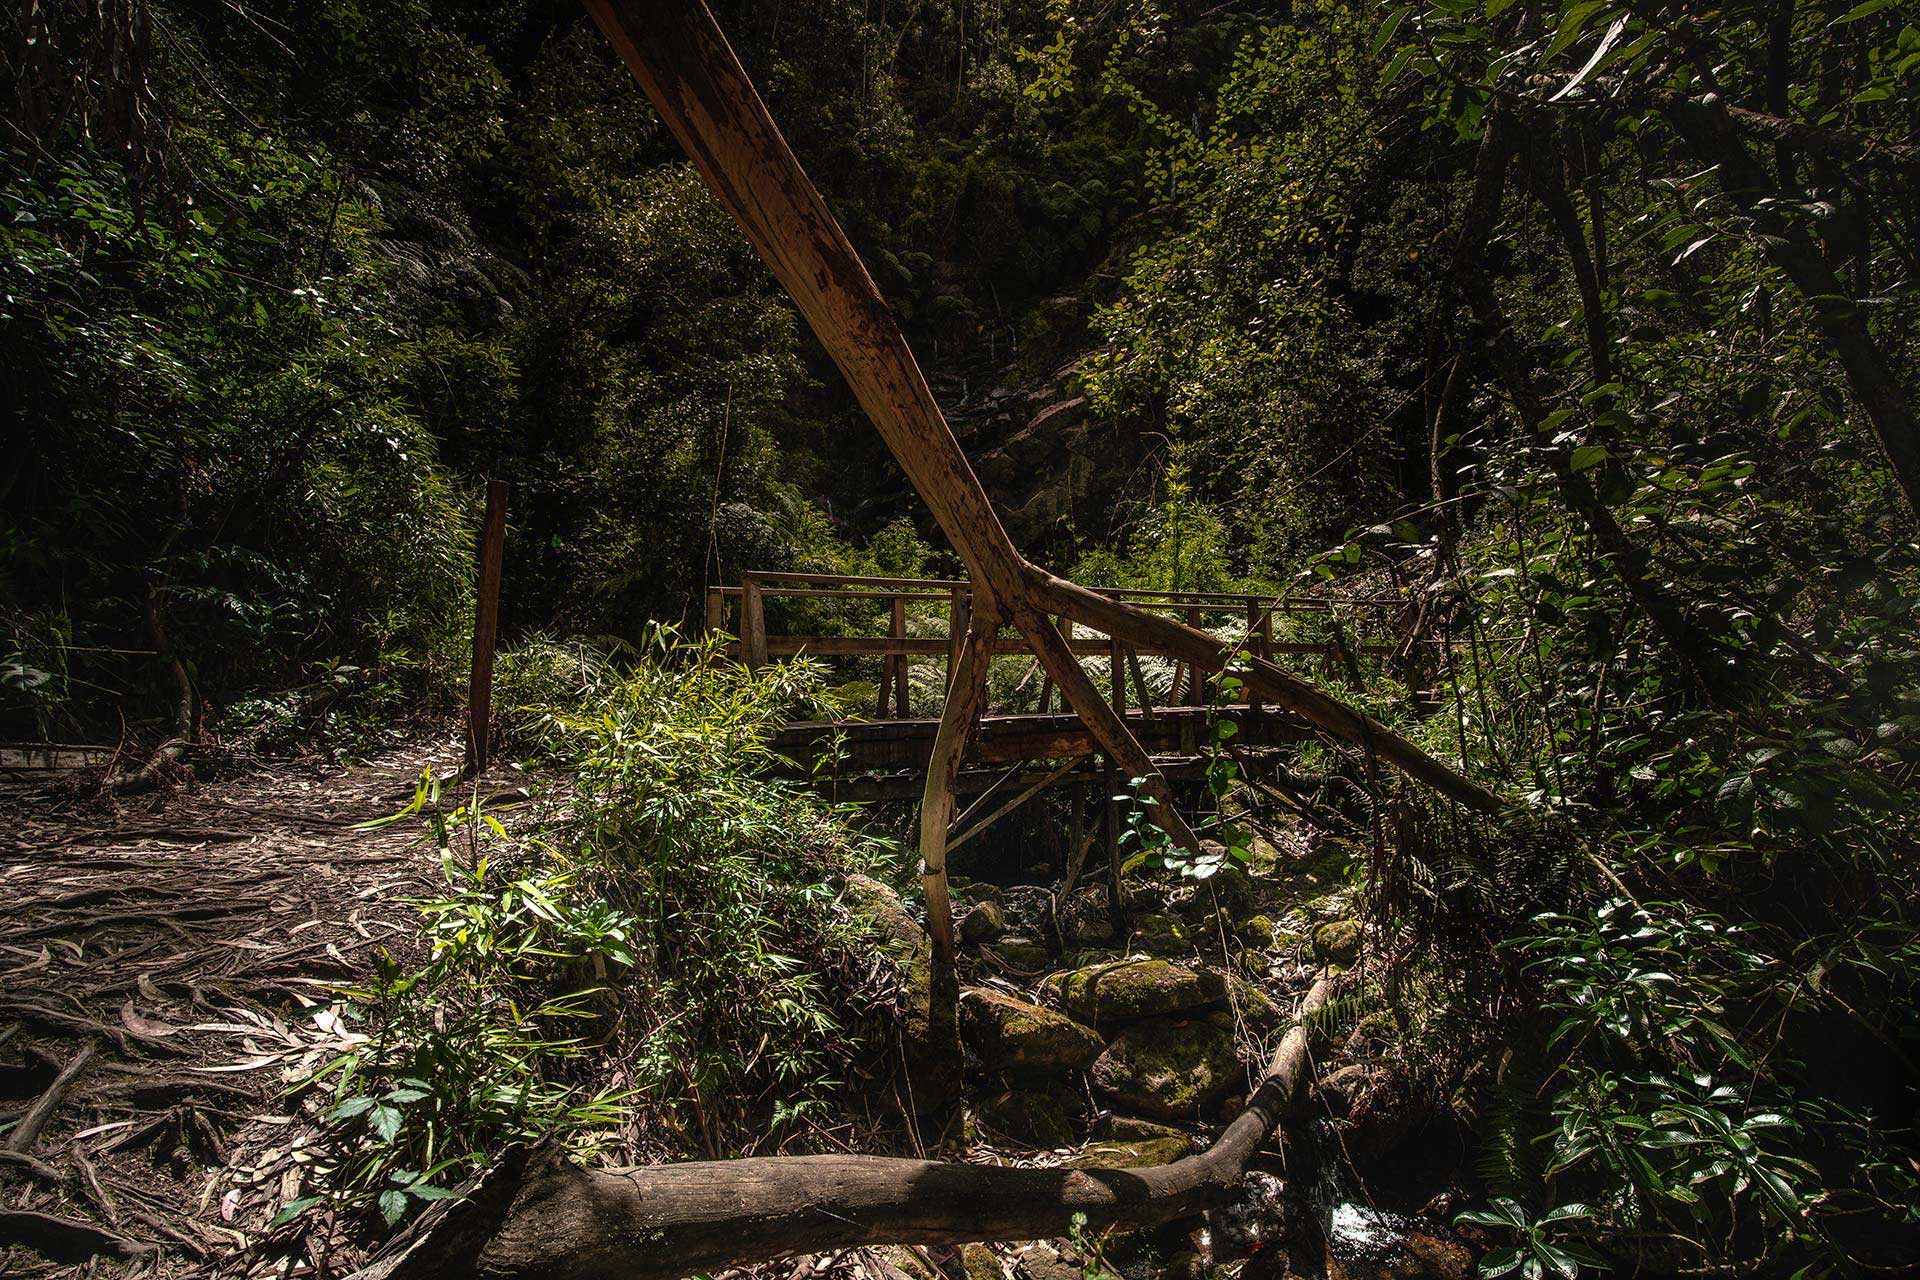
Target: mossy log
<point>538,1215</point>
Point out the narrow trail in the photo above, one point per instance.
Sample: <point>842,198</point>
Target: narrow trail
<point>166,968</point>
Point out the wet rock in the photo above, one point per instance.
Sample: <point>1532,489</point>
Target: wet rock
<point>983,923</point>
<point>1121,991</point>
<point>1012,1035</point>
<point>1032,1116</point>
<point>1138,1154</point>
<point>1260,1216</point>
<point>1170,1068</point>
<point>1369,1244</point>
<point>872,900</point>
<point>1336,942</point>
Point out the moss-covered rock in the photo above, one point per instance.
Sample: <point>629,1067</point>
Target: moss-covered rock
<point>1012,1035</point>
<point>1256,932</point>
<point>1162,935</point>
<point>1032,1116</point>
<point>1138,1154</point>
<point>1121,991</point>
<point>1230,890</point>
<point>1024,954</point>
<point>870,900</point>
<point>1170,1068</point>
<point>981,1263</point>
<point>983,923</point>
<point>1336,942</point>
<point>1124,1128</point>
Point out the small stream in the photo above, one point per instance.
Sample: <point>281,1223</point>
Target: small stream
<point>1320,1224</point>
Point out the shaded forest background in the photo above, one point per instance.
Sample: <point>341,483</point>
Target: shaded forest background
<point>1593,326</point>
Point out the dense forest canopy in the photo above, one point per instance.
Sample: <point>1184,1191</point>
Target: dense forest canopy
<point>1587,330</point>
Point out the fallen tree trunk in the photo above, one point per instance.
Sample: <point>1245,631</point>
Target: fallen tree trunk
<point>539,1215</point>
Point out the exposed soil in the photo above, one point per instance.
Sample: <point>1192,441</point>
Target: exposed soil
<point>183,949</point>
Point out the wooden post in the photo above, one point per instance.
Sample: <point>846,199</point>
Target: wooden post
<point>1117,676</point>
<point>958,615</point>
<point>486,627</point>
<point>716,618</point>
<point>1116,892</point>
<point>753,622</point>
<point>1046,690</point>
<point>958,719</point>
<point>897,661</point>
<point>1198,689</point>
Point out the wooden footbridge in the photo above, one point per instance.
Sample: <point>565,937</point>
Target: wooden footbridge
<point>1022,742</point>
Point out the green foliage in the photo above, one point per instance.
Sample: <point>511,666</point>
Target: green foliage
<point>672,929</point>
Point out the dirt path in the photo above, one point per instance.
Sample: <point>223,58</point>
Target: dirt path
<point>173,956</point>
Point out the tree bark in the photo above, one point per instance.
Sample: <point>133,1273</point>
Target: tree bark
<point>538,1215</point>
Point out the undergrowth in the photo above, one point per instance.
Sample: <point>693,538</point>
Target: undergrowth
<point>658,967</point>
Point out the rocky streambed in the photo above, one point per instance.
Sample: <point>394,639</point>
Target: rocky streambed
<point>1119,1040</point>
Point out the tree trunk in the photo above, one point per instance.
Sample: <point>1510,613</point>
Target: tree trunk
<point>1714,140</point>
<point>683,63</point>
<point>538,1215</point>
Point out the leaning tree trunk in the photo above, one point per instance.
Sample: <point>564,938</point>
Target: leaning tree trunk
<point>683,63</point>
<point>1711,134</point>
<point>536,1214</point>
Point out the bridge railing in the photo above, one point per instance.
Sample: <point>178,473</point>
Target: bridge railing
<point>741,612</point>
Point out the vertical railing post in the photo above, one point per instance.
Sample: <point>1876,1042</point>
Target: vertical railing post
<point>959,614</point>
<point>753,622</point>
<point>486,627</point>
<point>1117,676</point>
<point>897,659</point>
<point>1198,689</point>
<point>715,618</point>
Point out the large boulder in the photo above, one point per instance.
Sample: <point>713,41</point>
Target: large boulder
<point>1171,1068</point>
<point>873,901</point>
<point>1012,1035</point>
<point>1161,935</point>
<point>1107,995</point>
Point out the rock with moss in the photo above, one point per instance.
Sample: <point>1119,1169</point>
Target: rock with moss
<point>1022,954</point>
<point>1114,1127</point>
<point>983,923</point>
<point>1171,1068</point>
<point>1012,1035</point>
<point>1230,890</point>
<point>1256,932</point>
<point>981,1263</point>
<point>1033,1116</point>
<point>1336,942</point>
<point>1121,991</point>
<point>870,900</point>
<point>1160,934</point>
<point>1138,1153</point>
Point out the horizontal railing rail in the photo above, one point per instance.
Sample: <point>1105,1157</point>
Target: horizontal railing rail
<point>741,611</point>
